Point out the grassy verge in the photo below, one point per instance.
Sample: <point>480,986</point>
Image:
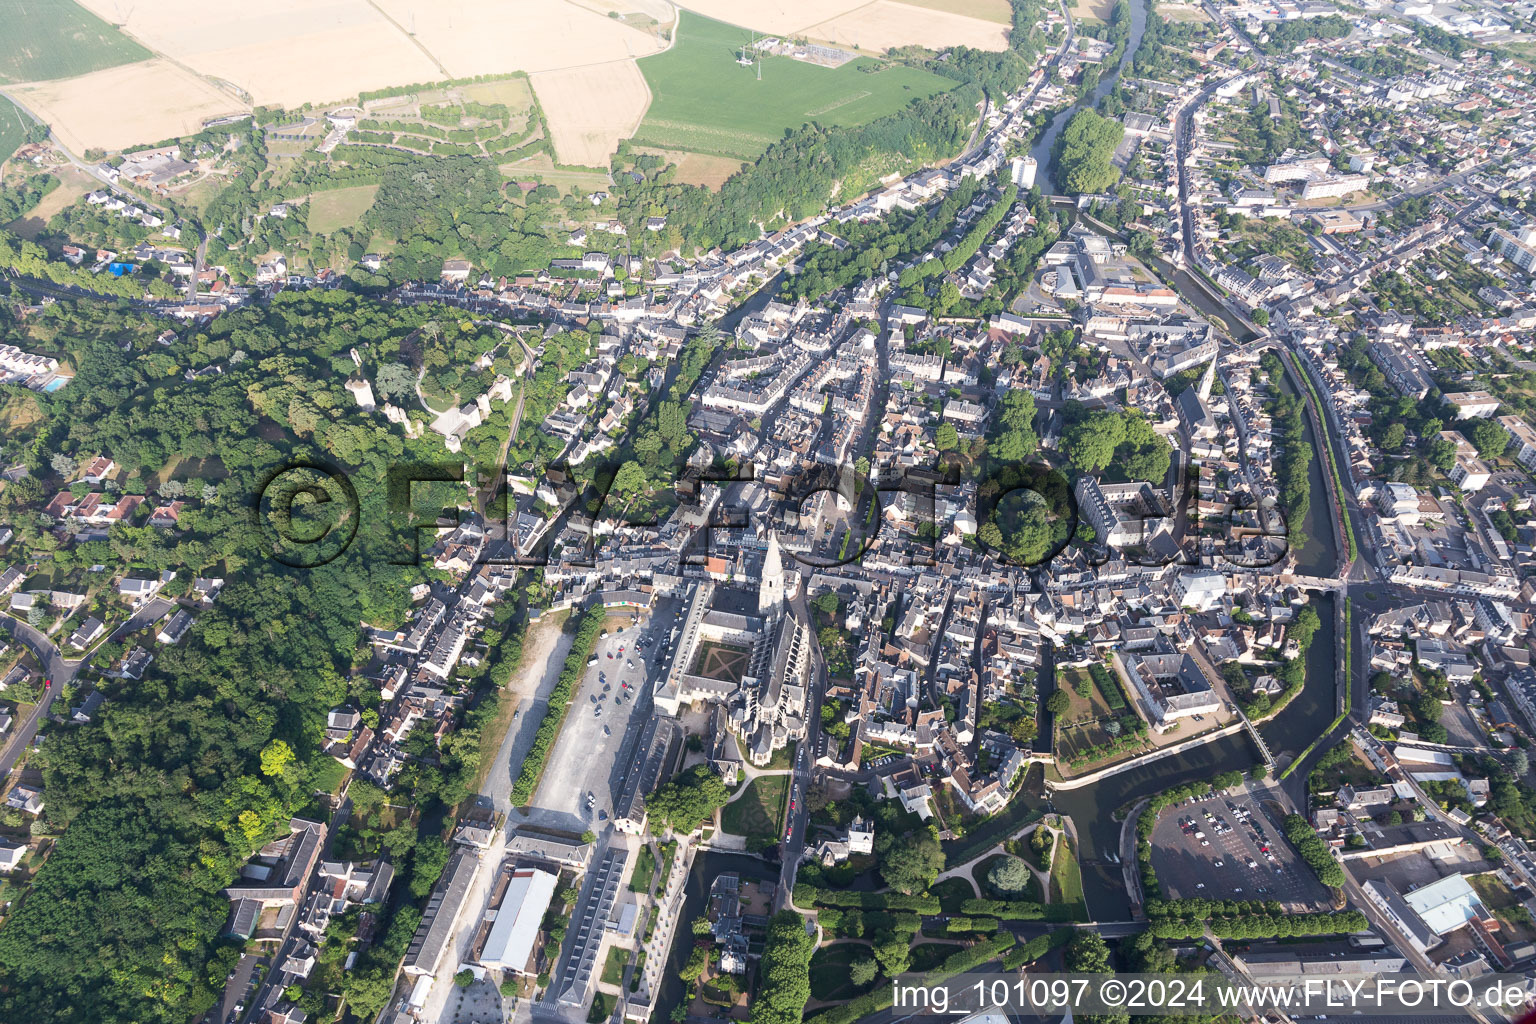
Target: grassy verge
<point>1066,875</point>
<point>645,870</point>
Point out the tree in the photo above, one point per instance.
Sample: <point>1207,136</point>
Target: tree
<point>909,863</point>
<point>629,480</point>
<point>1084,153</point>
<point>1304,627</point>
<point>1442,454</point>
<point>1058,702</point>
<point>1041,840</point>
<point>1519,764</point>
<point>826,603</point>
<point>862,972</point>
<point>1010,876</point>
<point>1088,954</point>
<point>464,978</point>
<point>687,800</point>
<point>1144,454</point>
<point>395,380</point>
<point>277,760</point>
<point>894,955</point>
<point>1489,437</point>
<point>947,438</point>
<point>1092,440</point>
<point>1392,438</point>
<point>697,961</point>
<point>784,972</point>
<point>1260,317</point>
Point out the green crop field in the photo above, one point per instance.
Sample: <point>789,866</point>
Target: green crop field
<point>45,39</point>
<point>13,128</point>
<point>705,102</point>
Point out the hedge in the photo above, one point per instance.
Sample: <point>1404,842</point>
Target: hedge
<point>1036,948</point>
<point>809,895</point>
<point>971,956</point>
<point>1022,910</point>
<point>559,701</point>
<point>961,926</point>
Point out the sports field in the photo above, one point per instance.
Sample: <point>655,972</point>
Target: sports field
<point>706,102</point>
<point>43,39</point>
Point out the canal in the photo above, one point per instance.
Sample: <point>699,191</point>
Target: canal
<point>1042,148</point>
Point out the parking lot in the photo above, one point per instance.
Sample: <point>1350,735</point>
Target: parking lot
<point>607,712</point>
<point>1229,847</point>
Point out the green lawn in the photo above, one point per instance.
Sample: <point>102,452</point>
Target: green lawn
<point>645,870</point>
<point>613,968</point>
<point>45,39</point>
<point>339,208</point>
<point>829,970</point>
<point>928,955</point>
<point>704,101</point>
<point>1066,876</point>
<point>760,811</point>
<point>952,893</point>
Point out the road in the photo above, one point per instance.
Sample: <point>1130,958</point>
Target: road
<point>55,668</point>
<point>793,848</point>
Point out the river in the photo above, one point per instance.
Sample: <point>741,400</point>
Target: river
<point>1042,149</point>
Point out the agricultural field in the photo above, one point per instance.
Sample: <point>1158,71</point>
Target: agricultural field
<point>124,106</point>
<point>13,128</point>
<point>1092,10</point>
<point>282,52</point>
<point>589,109</point>
<point>467,38</point>
<point>1000,11</point>
<point>46,39</point>
<point>885,24</point>
<point>339,208</point>
<point>704,101</point>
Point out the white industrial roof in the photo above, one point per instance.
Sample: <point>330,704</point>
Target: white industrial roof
<point>1445,905</point>
<point>516,928</point>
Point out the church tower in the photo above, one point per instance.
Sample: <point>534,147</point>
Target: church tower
<point>1207,382</point>
<point>770,594</point>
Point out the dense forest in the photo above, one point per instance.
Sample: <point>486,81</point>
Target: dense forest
<point>175,783</point>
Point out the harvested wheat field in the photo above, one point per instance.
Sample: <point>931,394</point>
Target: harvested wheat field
<point>590,109</point>
<point>285,52</point>
<point>780,17</point>
<point>123,106</point>
<point>885,23</point>
<point>1000,11</point>
<point>473,38</point>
